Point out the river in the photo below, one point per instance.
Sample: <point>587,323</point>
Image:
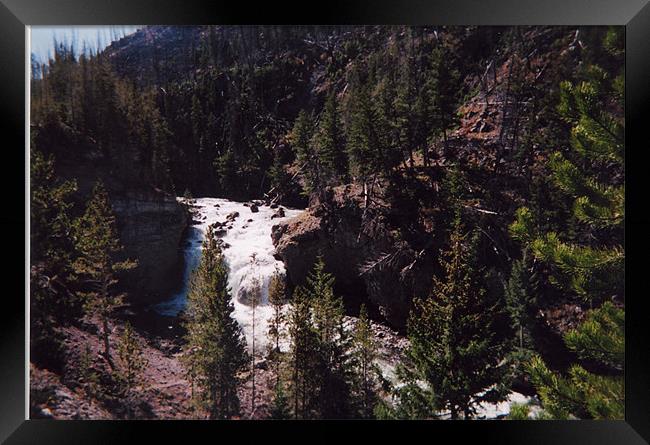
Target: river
<point>248,234</point>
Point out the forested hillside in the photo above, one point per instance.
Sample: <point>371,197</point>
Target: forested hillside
<point>463,185</point>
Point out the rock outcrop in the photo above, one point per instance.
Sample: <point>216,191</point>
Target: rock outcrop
<point>150,222</point>
<point>151,227</point>
<point>368,267</point>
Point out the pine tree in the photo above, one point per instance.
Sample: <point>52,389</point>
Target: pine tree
<point>52,300</point>
<point>88,376</point>
<point>98,244</point>
<point>277,299</point>
<point>363,145</point>
<point>367,374</point>
<point>521,303</point>
<point>443,84</point>
<point>253,297</point>
<point>303,357</point>
<point>308,162</point>
<point>280,409</point>
<point>584,394</point>
<point>333,343</point>
<point>404,105</point>
<point>455,359</point>
<point>217,348</point>
<point>279,178</point>
<point>131,365</point>
<point>592,271</point>
<point>329,143</point>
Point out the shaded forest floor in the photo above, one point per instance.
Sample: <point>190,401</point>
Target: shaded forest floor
<point>164,391</point>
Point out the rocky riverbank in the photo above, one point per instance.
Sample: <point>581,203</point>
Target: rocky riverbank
<point>369,264</point>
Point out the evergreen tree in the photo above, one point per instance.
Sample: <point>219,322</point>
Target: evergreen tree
<point>303,357</point>
<point>98,244</point>
<point>279,177</point>
<point>367,374</point>
<point>329,143</point>
<point>333,343</point>
<point>584,394</point>
<point>280,409</point>
<point>131,365</point>
<point>277,299</point>
<point>217,348</point>
<point>590,270</point>
<point>363,145</point>
<point>444,85</point>
<point>52,300</point>
<point>253,298</point>
<point>306,155</point>
<point>455,358</point>
<point>521,303</point>
<point>88,376</point>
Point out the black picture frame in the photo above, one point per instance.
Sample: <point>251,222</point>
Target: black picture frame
<point>15,15</point>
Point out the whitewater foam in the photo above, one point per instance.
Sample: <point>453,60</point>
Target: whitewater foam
<point>248,234</point>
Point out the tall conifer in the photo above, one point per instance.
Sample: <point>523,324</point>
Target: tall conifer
<point>217,350</point>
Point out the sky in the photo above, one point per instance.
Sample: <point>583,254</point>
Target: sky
<point>94,37</point>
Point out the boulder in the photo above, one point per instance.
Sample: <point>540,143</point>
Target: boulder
<point>278,214</point>
<point>254,208</point>
<point>232,216</point>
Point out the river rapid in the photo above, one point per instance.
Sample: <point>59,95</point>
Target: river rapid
<point>247,234</point>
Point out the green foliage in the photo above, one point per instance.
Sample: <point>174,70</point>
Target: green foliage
<point>521,294</point>
<point>366,373</point>
<point>303,357</point>
<point>50,205</point>
<point>364,148</point>
<point>217,350</point>
<point>590,267</point>
<point>329,144</point>
<point>601,337</point>
<point>580,394</point>
<point>277,299</point>
<point>306,155</point>
<point>520,299</point>
<point>131,363</point>
<point>519,412</point>
<point>280,409</point>
<point>80,107</point>
<point>52,300</point>
<point>319,355</point>
<point>88,376</point>
<point>98,245</point>
<point>444,87</point>
<point>455,358</point>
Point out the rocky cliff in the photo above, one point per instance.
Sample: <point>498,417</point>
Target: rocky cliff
<point>151,227</point>
<point>150,222</point>
<point>370,264</point>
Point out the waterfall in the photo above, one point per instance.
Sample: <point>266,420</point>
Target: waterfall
<point>245,235</point>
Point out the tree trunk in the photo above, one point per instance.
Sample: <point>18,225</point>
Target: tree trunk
<point>253,360</point>
<point>105,332</point>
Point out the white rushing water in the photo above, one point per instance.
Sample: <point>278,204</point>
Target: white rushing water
<point>250,234</point>
<point>247,235</point>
